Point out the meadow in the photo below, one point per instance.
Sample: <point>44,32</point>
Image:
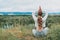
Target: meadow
<point>23,25</point>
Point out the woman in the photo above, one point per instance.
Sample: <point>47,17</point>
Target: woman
<point>41,29</point>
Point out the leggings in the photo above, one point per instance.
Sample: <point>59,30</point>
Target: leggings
<point>42,33</point>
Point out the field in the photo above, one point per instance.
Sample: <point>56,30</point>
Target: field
<point>23,25</point>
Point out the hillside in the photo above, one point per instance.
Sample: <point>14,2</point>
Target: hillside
<point>23,25</point>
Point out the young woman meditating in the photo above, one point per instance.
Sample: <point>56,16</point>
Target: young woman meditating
<point>40,28</point>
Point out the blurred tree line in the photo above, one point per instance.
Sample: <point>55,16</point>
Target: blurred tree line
<point>26,20</point>
<point>21,20</point>
<point>53,19</point>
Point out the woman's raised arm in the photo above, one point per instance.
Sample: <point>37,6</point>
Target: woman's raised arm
<point>33,15</point>
<point>45,17</point>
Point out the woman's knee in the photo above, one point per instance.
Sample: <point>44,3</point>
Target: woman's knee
<point>34,31</point>
<point>46,31</point>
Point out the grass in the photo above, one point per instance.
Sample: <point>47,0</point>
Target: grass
<point>24,32</point>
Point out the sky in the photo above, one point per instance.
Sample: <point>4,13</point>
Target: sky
<point>29,5</point>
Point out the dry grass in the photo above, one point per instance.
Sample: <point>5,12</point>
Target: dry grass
<point>24,33</point>
<point>15,32</point>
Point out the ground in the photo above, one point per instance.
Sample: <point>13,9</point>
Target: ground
<point>24,32</point>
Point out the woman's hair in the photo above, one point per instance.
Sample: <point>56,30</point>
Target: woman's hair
<point>39,12</point>
<point>39,18</point>
<point>40,22</point>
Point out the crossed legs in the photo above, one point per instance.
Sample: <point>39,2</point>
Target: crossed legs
<point>42,33</point>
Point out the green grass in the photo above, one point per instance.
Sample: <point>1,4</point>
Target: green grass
<point>53,22</point>
<point>54,33</point>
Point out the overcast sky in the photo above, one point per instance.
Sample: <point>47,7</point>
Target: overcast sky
<point>29,5</point>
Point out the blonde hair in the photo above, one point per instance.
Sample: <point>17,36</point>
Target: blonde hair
<point>39,22</point>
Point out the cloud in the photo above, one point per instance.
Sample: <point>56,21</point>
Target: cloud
<point>29,5</point>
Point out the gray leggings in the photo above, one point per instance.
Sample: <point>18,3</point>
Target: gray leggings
<point>42,33</point>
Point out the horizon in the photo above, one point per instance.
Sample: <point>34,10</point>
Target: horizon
<point>25,13</point>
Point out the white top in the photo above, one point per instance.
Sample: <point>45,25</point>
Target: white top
<point>43,19</point>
